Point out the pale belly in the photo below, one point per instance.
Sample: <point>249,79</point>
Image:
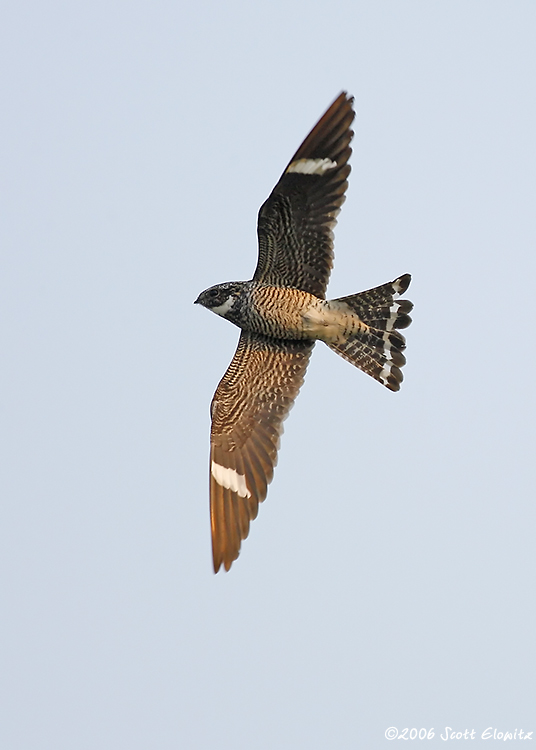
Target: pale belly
<point>331,322</point>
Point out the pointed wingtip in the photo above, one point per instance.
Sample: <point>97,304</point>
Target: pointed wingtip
<point>221,564</point>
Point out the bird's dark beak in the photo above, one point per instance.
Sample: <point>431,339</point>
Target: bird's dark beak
<point>196,302</point>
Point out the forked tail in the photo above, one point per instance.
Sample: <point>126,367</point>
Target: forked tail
<point>378,349</point>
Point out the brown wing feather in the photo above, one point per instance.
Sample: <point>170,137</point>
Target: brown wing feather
<point>249,406</point>
<point>295,223</point>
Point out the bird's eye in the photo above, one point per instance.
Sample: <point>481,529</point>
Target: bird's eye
<point>213,293</point>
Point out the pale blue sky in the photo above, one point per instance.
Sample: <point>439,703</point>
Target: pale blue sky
<point>389,578</point>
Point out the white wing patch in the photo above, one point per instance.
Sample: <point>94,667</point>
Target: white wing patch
<point>311,166</point>
<point>230,479</point>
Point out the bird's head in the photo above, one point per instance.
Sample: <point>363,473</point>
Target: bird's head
<point>220,298</point>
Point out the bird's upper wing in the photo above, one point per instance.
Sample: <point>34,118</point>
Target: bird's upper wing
<point>248,409</point>
<point>295,223</point>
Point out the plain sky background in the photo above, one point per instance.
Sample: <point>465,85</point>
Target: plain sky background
<point>389,579</point>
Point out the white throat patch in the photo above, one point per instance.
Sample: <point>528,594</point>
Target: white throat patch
<point>224,309</point>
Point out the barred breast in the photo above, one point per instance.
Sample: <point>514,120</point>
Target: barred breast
<point>292,314</point>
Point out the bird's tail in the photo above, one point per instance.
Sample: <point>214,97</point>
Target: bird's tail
<point>377,348</point>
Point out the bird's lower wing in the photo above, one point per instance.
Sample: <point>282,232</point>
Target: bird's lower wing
<point>249,406</point>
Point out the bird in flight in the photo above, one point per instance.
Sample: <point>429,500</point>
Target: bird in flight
<point>282,312</point>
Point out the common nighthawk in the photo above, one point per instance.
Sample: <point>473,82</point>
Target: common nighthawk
<point>282,311</point>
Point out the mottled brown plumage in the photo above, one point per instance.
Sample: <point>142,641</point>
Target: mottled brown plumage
<point>295,223</point>
<point>282,311</point>
<point>248,409</point>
